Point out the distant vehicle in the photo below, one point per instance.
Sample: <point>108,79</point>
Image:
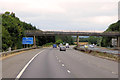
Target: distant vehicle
<point>63,43</point>
<point>60,44</point>
<point>67,45</point>
<point>91,46</point>
<point>86,46</point>
<point>54,45</point>
<point>62,48</point>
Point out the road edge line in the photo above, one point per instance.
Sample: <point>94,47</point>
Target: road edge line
<point>22,71</point>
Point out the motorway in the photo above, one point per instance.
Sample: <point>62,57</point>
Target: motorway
<point>52,63</point>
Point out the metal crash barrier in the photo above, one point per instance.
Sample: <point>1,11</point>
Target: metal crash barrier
<point>18,50</point>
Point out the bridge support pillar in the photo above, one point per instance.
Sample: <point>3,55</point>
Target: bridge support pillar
<point>118,42</point>
<point>34,41</point>
<point>77,41</point>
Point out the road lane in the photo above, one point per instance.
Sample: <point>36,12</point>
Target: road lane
<point>19,75</point>
<point>87,66</point>
<point>53,63</point>
<point>46,65</point>
<point>11,66</point>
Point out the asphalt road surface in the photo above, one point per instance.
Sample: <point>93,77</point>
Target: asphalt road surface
<point>52,63</point>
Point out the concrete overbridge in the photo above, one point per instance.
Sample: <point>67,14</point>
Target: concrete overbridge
<point>63,33</point>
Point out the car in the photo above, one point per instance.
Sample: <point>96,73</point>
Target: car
<point>54,45</point>
<point>91,46</point>
<point>86,46</point>
<point>62,48</point>
<point>60,44</point>
<point>67,45</point>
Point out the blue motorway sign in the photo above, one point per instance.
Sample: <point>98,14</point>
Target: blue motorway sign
<point>27,40</point>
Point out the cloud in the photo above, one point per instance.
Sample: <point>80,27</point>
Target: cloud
<point>64,14</point>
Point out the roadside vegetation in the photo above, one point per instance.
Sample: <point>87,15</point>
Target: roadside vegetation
<point>106,41</point>
<point>89,40</point>
<point>64,39</point>
<point>48,44</point>
<point>60,39</point>
<point>13,31</point>
<point>103,42</point>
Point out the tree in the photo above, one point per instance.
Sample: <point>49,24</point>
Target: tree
<point>59,41</point>
<point>66,39</point>
<point>6,39</point>
<point>13,31</point>
<point>106,41</point>
<point>12,14</point>
<point>7,13</point>
<point>93,40</point>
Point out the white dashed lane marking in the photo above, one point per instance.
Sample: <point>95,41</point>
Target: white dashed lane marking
<point>68,71</point>
<point>59,60</point>
<point>63,65</point>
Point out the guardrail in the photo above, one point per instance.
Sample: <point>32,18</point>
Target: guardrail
<point>18,50</point>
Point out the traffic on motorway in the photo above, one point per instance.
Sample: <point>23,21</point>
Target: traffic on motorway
<point>61,46</point>
<point>58,61</point>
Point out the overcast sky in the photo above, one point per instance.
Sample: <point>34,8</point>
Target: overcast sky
<point>68,15</point>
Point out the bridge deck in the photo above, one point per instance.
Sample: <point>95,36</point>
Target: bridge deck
<point>53,33</point>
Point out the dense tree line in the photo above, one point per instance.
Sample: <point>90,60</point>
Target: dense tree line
<point>64,39</point>
<point>106,41</point>
<point>13,31</point>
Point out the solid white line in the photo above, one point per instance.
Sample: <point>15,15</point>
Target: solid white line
<point>21,72</point>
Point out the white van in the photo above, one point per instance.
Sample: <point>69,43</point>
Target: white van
<point>67,45</point>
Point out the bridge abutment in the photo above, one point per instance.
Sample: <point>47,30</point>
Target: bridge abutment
<point>34,41</point>
<point>77,40</point>
<point>118,42</point>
